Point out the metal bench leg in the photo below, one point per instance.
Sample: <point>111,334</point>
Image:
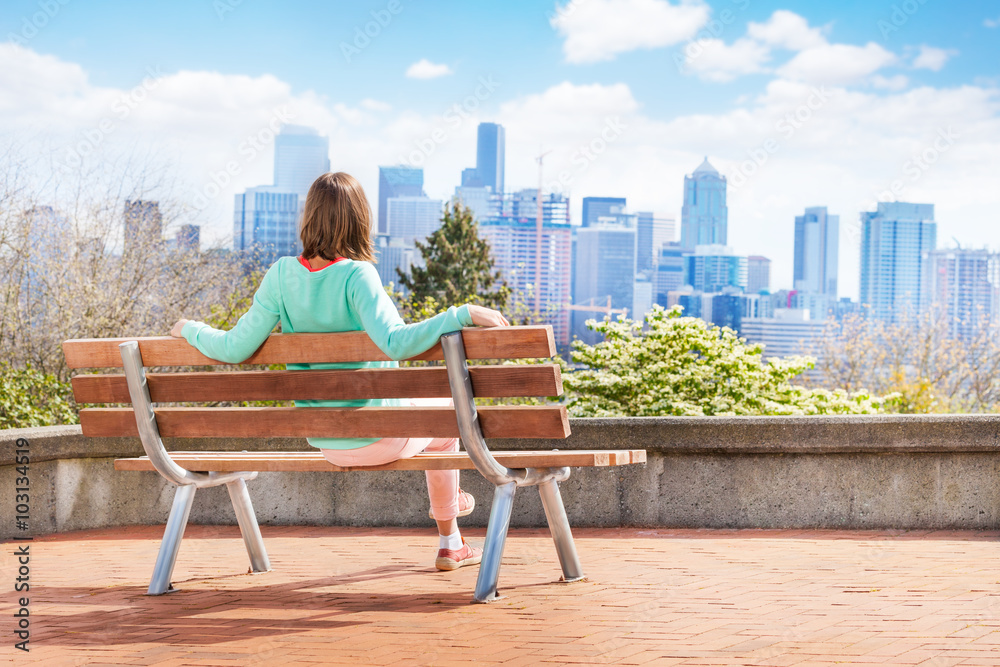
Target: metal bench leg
<point>496,535</point>
<point>165,559</point>
<point>555,513</point>
<point>245,516</point>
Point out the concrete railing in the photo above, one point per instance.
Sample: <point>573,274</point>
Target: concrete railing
<point>905,472</point>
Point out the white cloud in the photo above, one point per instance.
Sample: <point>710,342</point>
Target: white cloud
<point>894,83</point>
<point>596,30</point>
<point>375,105</point>
<point>786,30</point>
<point>932,58</point>
<point>837,63</point>
<point>425,69</point>
<point>992,23</point>
<point>713,60</point>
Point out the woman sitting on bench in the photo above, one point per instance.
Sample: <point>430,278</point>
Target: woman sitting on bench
<point>334,287</point>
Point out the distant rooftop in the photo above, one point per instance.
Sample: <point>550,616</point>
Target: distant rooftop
<point>706,168</point>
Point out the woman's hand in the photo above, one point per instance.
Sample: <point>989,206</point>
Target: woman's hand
<point>175,330</point>
<point>487,317</point>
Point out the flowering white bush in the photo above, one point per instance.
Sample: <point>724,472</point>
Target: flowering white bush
<point>684,366</point>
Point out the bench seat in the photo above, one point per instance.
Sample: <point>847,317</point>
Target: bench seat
<point>314,461</point>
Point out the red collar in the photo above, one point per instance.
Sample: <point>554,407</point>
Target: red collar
<point>304,262</point>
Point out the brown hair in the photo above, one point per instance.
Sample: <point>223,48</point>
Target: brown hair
<point>337,221</point>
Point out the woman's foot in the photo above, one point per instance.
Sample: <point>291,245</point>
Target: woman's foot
<point>449,559</point>
<point>466,503</point>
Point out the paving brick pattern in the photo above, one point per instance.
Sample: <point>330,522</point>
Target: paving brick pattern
<point>654,597</point>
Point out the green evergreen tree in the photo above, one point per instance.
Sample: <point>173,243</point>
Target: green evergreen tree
<point>457,269</point>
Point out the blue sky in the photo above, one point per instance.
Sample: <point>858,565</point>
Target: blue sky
<point>684,79</point>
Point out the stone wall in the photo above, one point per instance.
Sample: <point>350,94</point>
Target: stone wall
<point>903,472</point>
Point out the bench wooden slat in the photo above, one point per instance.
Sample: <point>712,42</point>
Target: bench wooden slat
<point>361,383</point>
<point>314,461</point>
<point>524,342</point>
<point>368,422</point>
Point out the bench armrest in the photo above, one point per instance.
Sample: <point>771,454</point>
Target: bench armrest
<point>468,421</point>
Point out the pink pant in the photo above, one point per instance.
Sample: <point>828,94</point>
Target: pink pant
<point>442,485</point>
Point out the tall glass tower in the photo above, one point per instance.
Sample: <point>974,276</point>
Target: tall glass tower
<point>895,242</point>
<point>401,181</point>
<point>704,215</point>
<point>301,155</point>
<point>817,238</point>
<point>490,155</point>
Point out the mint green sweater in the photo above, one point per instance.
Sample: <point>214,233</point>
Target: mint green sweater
<point>345,296</point>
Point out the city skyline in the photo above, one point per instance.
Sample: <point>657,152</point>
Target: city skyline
<point>816,104</point>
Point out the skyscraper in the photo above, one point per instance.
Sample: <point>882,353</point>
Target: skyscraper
<point>595,208</point>
<point>605,266</point>
<point>490,143</point>
<point>817,236</point>
<point>712,268</point>
<point>758,274</point>
<point>669,271</point>
<point>401,181</point>
<point>653,233</point>
<point>412,218</point>
<point>301,155</point>
<point>965,286</point>
<point>513,248</point>
<point>704,216</point>
<point>895,241</point>
<point>523,205</point>
<point>143,225</point>
<point>188,238</point>
<point>265,221</point>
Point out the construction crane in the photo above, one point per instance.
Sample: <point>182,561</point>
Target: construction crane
<point>591,307</point>
<point>539,216</point>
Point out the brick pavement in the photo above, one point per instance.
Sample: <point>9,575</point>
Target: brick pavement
<point>655,597</point>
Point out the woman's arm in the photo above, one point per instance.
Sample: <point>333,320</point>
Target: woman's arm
<point>242,340</point>
<point>382,323</point>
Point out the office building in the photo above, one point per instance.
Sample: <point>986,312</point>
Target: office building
<point>393,256</point>
<point>713,268</point>
<point>789,332</point>
<point>188,238</point>
<point>265,224</point>
<point>301,155</point>
<point>143,226</point>
<point>412,218</point>
<point>817,239</point>
<point>896,239</point>
<point>523,205</point>
<point>652,232</point>
<point>704,215</point>
<point>605,266</point>
<point>513,248</point>
<point>480,200</point>
<point>669,271</point>
<point>758,274</point>
<point>400,181</point>
<point>642,299</point>
<point>490,145</point>
<point>963,286</point>
<point>601,209</point>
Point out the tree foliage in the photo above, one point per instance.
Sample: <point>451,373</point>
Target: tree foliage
<point>458,267</point>
<point>29,398</point>
<point>683,366</point>
<point>919,358</point>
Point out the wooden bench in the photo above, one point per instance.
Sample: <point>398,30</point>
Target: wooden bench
<point>193,470</point>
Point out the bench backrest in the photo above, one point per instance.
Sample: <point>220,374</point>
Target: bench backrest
<point>495,381</point>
